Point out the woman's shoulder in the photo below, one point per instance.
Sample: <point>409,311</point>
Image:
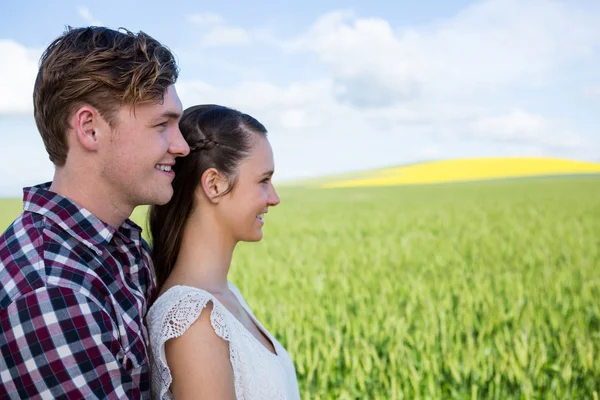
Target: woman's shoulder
<point>179,295</point>
<point>183,295</point>
<point>174,313</point>
<point>178,308</point>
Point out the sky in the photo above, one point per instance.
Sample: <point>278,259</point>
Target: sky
<point>344,86</point>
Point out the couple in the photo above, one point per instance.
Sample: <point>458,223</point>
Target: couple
<point>87,309</point>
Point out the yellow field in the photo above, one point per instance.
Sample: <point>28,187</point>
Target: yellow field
<point>468,170</point>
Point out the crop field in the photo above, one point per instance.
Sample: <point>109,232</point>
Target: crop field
<point>460,170</point>
<point>484,290</point>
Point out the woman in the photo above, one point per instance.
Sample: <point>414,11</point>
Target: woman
<point>206,342</point>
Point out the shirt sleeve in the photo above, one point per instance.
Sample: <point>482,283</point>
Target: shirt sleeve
<point>57,343</point>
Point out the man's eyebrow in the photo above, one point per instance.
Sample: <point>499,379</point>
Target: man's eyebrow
<point>169,115</point>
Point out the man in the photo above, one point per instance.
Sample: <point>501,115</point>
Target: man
<point>75,275</point>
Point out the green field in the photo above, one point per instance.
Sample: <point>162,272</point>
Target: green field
<point>457,291</point>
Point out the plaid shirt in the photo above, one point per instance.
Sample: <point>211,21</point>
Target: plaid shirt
<point>73,296</point>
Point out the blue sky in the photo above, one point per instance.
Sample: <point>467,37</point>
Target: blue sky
<point>345,86</point>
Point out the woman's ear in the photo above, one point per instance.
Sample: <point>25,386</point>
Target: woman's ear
<point>213,184</point>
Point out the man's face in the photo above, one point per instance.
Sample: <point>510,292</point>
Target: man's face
<point>143,146</point>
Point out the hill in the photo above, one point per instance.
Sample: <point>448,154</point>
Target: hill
<point>458,170</point>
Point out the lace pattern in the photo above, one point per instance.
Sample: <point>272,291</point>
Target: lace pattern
<point>258,373</point>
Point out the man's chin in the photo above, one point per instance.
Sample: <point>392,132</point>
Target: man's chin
<point>164,200</point>
<point>160,198</point>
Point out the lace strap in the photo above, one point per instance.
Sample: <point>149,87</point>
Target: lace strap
<point>176,310</point>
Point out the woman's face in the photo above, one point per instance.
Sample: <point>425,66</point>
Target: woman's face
<point>244,208</point>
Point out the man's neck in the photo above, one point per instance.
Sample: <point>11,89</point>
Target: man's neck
<point>91,195</point>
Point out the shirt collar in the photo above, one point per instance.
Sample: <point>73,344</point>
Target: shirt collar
<point>74,219</point>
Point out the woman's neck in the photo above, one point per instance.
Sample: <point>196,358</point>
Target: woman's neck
<point>205,255</point>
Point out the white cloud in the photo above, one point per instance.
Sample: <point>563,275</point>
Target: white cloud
<point>451,80</point>
<point>379,95</point>
<point>217,33</point>
<point>205,19</point>
<point>491,45</point>
<point>304,121</point>
<point>431,152</point>
<point>592,92</point>
<point>87,16</point>
<point>520,126</point>
<point>302,105</point>
<point>306,118</point>
<point>225,36</point>
<point>370,65</point>
<point>295,119</point>
<point>31,162</point>
<point>22,150</point>
<point>17,77</point>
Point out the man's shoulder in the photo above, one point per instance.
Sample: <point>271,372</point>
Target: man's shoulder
<point>21,257</point>
<point>25,228</point>
<point>33,251</point>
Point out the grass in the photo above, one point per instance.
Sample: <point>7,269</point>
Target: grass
<point>459,291</point>
<point>479,290</point>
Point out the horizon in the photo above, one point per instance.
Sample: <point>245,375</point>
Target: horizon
<point>355,173</point>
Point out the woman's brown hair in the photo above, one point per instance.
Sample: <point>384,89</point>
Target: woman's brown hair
<point>220,138</point>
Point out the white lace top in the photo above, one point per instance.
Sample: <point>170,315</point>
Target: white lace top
<point>258,373</point>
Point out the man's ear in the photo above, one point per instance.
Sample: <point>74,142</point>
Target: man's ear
<point>87,124</point>
<point>213,184</point>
